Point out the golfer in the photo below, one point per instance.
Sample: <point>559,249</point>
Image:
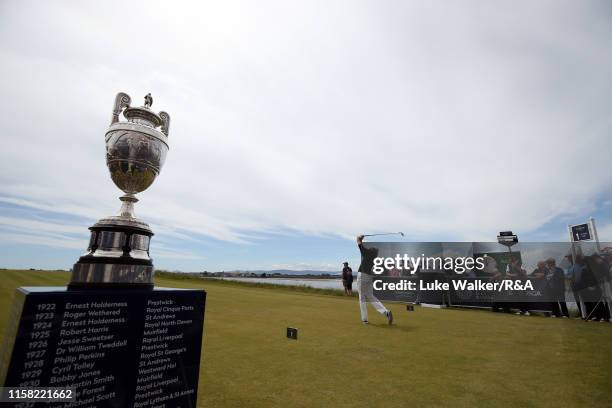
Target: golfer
<point>347,279</point>
<point>364,283</point>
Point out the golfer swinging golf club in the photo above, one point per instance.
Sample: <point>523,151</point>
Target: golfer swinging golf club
<point>364,283</point>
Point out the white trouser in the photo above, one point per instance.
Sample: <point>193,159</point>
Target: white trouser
<point>364,283</point>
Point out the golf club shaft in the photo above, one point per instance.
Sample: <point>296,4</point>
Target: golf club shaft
<point>383,233</point>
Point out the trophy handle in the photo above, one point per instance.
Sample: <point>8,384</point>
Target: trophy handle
<point>122,100</point>
<point>165,122</point>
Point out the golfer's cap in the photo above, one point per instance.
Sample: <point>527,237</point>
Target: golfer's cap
<point>345,263</point>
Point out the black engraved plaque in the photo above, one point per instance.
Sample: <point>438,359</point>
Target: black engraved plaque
<point>118,348</point>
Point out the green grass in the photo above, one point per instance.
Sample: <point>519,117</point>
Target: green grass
<point>454,358</point>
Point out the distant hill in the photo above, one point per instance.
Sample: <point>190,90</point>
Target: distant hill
<point>287,272</point>
<point>259,272</point>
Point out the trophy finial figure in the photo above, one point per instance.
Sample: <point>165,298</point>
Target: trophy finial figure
<point>148,100</point>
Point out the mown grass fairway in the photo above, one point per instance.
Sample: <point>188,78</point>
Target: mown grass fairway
<point>454,358</point>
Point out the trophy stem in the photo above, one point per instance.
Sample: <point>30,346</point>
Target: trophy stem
<point>127,206</point>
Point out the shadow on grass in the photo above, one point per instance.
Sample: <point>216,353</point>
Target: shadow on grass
<point>395,326</point>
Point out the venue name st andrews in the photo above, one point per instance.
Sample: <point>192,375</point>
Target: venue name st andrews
<point>458,285</point>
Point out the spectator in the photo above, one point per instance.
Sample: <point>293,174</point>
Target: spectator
<point>541,271</point>
<point>539,280</point>
<point>497,304</point>
<point>587,288</point>
<point>490,268</point>
<point>556,284</point>
<point>607,286</point>
<point>347,279</point>
<point>574,273</point>
<point>598,268</point>
<point>502,300</point>
<point>516,272</point>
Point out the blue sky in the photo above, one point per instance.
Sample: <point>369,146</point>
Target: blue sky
<point>296,127</point>
<point>278,250</point>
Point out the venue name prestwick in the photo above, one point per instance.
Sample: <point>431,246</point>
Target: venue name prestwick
<point>459,265</point>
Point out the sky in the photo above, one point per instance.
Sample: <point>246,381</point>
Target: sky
<point>296,126</point>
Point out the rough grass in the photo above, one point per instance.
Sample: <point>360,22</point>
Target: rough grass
<point>454,358</point>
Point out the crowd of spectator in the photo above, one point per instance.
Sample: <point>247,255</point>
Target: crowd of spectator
<point>587,277</point>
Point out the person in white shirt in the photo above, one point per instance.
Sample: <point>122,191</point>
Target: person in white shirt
<point>364,283</point>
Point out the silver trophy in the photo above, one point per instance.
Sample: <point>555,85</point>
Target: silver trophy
<point>118,251</point>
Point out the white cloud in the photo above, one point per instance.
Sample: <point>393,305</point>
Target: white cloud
<point>330,117</point>
<point>42,226</point>
<point>53,241</point>
<point>604,232</point>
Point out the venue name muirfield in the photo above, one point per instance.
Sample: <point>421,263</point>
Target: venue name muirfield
<point>458,285</point>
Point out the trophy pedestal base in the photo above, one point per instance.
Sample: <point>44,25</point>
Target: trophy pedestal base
<point>118,254</point>
<point>120,348</point>
<point>110,286</point>
<point>104,274</point>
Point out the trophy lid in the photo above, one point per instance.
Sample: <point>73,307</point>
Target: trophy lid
<point>142,115</point>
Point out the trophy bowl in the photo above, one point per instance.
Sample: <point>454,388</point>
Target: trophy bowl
<point>134,158</point>
<point>136,149</point>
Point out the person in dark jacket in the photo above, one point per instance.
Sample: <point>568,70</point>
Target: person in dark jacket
<point>556,284</point>
<point>585,283</point>
<point>599,269</point>
<point>516,272</point>
<point>347,279</point>
<point>574,274</point>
